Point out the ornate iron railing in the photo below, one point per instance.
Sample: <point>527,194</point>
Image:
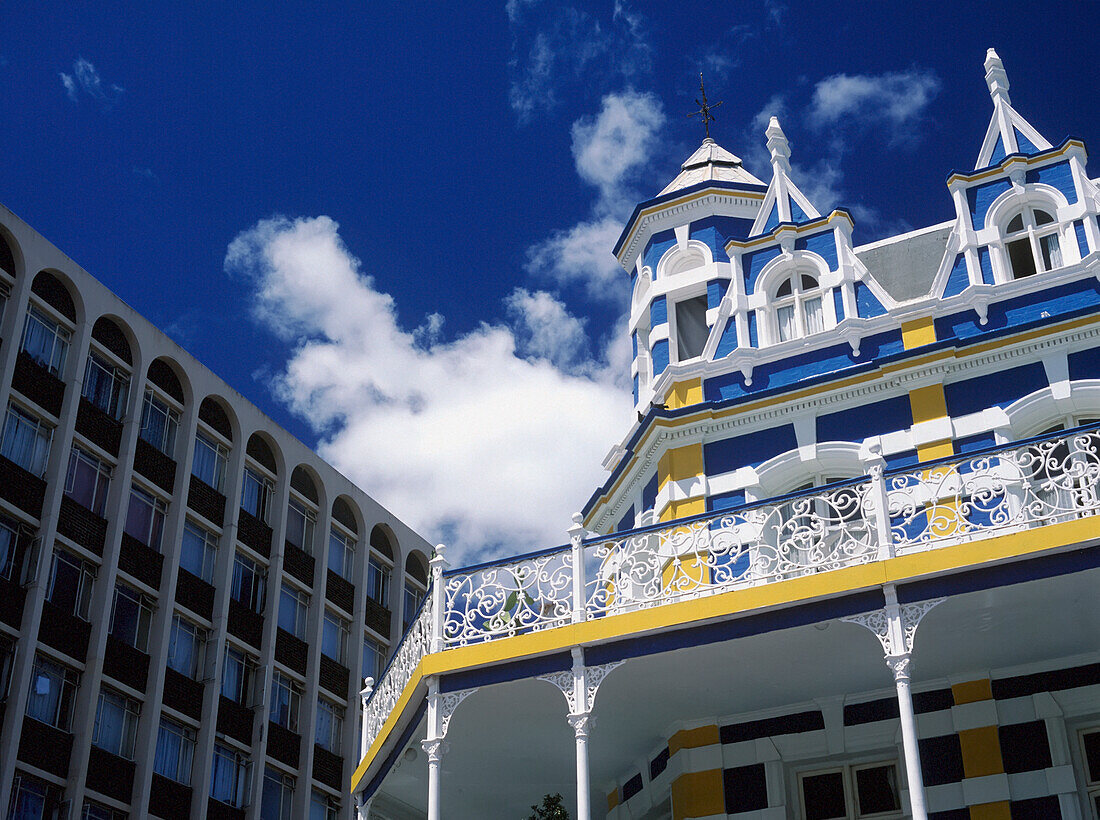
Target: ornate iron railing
<point>414,645</point>
<point>1044,480</point>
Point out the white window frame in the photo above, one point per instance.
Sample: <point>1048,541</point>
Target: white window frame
<point>335,734</point>
<point>1035,235</point>
<point>220,453</point>
<point>297,509</point>
<point>343,629</point>
<point>340,539</point>
<point>128,711</point>
<point>87,575</point>
<point>115,375</point>
<point>41,435</point>
<point>145,609</point>
<point>165,441</point>
<point>379,575</point>
<point>797,301</point>
<point>184,628</point>
<point>158,511</point>
<point>301,608</point>
<point>257,595</point>
<point>673,302</point>
<point>186,738</point>
<point>847,771</point>
<point>59,344</point>
<point>265,489</point>
<point>283,685</point>
<point>209,549</point>
<point>101,477</point>
<point>242,770</point>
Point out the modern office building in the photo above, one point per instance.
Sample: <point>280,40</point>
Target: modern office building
<point>845,563</point>
<point>189,597</point>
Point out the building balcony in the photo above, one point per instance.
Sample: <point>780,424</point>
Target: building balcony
<point>730,611</point>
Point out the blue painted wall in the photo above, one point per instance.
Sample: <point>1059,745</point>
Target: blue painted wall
<point>959,279</point>
<point>748,450</point>
<point>1070,299</point>
<point>985,263</point>
<point>754,338</point>
<point>823,244</point>
<point>1082,238</point>
<point>773,218</point>
<point>1058,176</point>
<point>658,312</point>
<point>797,214</point>
<point>857,423</point>
<point>655,248</point>
<point>649,493</point>
<point>1025,145</point>
<point>978,441</point>
<point>725,501</point>
<point>833,360</point>
<point>998,151</point>
<point>752,263</point>
<point>627,521</point>
<point>716,289</point>
<point>728,343</point>
<point>867,304</point>
<point>838,304</point>
<point>993,390</point>
<point>1085,364</point>
<point>660,357</point>
<point>980,197</point>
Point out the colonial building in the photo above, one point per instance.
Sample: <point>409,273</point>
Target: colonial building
<point>844,564</point>
<point>189,597</point>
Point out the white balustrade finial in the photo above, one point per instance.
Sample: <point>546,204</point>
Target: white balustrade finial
<point>368,688</point>
<point>440,556</point>
<point>996,77</point>
<point>778,145</point>
<point>577,530</point>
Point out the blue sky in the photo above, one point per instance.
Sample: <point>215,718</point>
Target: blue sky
<point>389,224</point>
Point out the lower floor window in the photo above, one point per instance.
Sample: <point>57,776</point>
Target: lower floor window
<point>95,811</point>
<point>229,776</point>
<point>116,721</point>
<point>33,799</point>
<point>323,807</point>
<point>1090,748</point>
<point>277,795</point>
<point>849,792</point>
<point>175,751</point>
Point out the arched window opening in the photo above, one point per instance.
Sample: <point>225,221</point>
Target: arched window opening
<point>341,511</point>
<point>110,335</point>
<point>163,376</point>
<point>302,481</point>
<point>380,541</point>
<point>798,307</point>
<point>106,382</point>
<point>257,486</point>
<point>1032,243</point>
<point>159,418</point>
<point>212,413</point>
<point>7,258</point>
<point>416,581</point>
<point>50,290</point>
<point>416,567</point>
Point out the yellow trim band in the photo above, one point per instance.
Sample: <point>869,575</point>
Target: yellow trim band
<point>918,332</point>
<point>972,691</point>
<point>1000,810</point>
<point>693,738</point>
<point>698,794</point>
<point>684,394</point>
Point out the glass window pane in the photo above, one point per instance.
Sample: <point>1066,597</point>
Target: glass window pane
<point>823,796</point>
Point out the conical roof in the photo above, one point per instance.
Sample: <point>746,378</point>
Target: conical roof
<point>710,162</point>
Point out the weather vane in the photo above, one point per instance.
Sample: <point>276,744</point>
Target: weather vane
<point>704,108</point>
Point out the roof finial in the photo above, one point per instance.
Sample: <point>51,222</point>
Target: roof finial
<point>778,146</point>
<point>996,77</point>
<point>704,108</point>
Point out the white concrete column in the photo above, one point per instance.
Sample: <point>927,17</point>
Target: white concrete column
<point>580,732</point>
<point>434,745</point>
<point>364,696</point>
<point>439,598</point>
<point>576,538</point>
<point>895,626</point>
<point>899,665</point>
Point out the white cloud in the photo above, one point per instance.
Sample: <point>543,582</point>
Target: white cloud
<point>557,47</point>
<point>897,98</point>
<point>468,440</point>
<point>547,330</point>
<point>608,150</point>
<point>85,78</point>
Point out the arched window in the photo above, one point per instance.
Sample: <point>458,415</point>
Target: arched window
<point>798,307</point>
<point>1031,242</point>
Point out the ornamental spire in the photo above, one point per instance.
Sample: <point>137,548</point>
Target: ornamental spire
<point>996,77</point>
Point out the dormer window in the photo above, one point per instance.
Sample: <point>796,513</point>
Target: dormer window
<point>798,307</point>
<point>1031,242</point>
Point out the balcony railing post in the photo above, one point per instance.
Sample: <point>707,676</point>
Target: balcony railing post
<point>439,597</point>
<point>364,737</point>
<point>880,503</point>
<point>576,543</point>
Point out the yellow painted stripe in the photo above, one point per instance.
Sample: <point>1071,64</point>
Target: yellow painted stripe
<point>972,691</point>
<point>991,811</point>
<point>693,738</point>
<point>683,508</point>
<point>613,800</point>
<point>928,403</point>
<point>981,752</point>
<point>898,570</point>
<point>684,394</point>
<point>918,332</point>
<point>698,794</point>
<point>937,449</point>
<point>1045,156</point>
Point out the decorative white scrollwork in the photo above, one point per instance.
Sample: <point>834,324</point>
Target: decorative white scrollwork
<point>802,534</point>
<point>897,636</point>
<point>413,647</point>
<point>593,676</point>
<point>434,748</point>
<point>580,724</point>
<point>565,682</point>
<point>448,702</point>
<point>510,598</point>
<point>1042,482</point>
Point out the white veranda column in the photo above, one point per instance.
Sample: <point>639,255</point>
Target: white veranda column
<point>441,707</point>
<point>579,685</point>
<point>896,626</point>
